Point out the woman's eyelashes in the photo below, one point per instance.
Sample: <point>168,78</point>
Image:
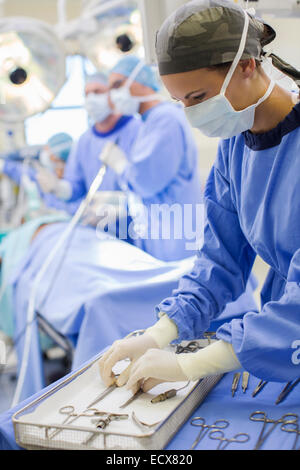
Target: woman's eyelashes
<point>198,97</point>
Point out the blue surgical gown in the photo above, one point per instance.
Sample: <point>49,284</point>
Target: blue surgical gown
<point>163,172</point>
<point>252,201</point>
<point>83,163</point>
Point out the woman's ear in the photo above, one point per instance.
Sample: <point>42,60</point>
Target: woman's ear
<point>248,67</point>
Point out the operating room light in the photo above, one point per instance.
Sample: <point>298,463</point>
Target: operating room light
<point>32,68</point>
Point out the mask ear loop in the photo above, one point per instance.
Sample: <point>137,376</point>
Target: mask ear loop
<point>238,55</point>
<point>134,74</point>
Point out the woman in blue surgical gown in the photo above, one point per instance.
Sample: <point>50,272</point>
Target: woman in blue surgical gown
<point>210,56</point>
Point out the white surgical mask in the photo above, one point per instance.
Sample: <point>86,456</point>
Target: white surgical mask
<point>216,117</point>
<point>122,99</point>
<point>97,106</point>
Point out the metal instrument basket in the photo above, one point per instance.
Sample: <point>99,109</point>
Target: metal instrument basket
<point>33,433</point>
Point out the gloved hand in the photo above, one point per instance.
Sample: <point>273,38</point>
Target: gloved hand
<point>110,205</point>
<point>131,348</point>
<point>115,158</point>
<point>154,367</point>
<point>47,180</point>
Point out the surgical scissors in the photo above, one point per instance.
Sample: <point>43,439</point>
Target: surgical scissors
<point>261,416</point>
<point>294,428</point>
<point>69,410</point>
<point>219,424</point>
<point>241,438</point>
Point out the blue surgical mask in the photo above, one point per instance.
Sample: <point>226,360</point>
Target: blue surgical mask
<point>97,106</point>
<point>216,117</point>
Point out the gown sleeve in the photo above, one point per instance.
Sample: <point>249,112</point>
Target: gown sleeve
<point>268,344</point>
<point>223,264</point>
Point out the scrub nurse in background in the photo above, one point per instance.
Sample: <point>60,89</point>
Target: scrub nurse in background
<point>163,163</point>
<point>84,162</point>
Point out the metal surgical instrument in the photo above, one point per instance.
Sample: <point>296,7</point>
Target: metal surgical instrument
<point>191,347</point>
<point>287,389</point>
<point>225,441</point>
<point>235,383</point>
<point>200,422</point>
<point>259,387</point>
<point>69,410</point>
<point>106,392</point>
<point>103,422</point>
<point>131,399</point>
<point>294,428</point>
<point>245,381</point>
<point>168,394</point>
<point>261,416</point>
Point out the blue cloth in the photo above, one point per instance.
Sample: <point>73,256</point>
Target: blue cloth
<point>147,75</point>
<point>253,208</point>
<point>164,171</point>
<point>218,405</point>
<point>103,290</point>
<point>12,249</point>
<point>84,163</point>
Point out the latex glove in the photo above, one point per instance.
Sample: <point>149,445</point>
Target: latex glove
<point>115,158</point>
<point>217,358</point>
<point>108,206</point>
<point>47,180</point>
<point>131,348</point>
<point>154,367</point>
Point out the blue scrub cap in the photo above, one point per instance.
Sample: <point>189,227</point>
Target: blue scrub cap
<point>146,76</point>
<point>61,145</point>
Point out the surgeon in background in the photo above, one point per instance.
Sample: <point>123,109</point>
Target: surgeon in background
<point>84,163</point>
<point>163,166</point>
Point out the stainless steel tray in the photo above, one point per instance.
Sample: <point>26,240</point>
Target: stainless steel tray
<point>34,425</point>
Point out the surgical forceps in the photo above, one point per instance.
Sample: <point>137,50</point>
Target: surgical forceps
<point>261,416</point>
<point>241,438</point>
<point>294,428</point>
<point>219,424</point>
<point>69,410</point>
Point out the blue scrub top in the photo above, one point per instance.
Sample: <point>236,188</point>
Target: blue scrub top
<point>163,172</point>
<point>252,201</point>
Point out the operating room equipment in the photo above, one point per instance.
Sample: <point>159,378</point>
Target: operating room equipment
<point>235,383</point>
<point>218,435</point>
<point>141,424</point>
<point>245,381</point>
<point>104,394</point>
<point>198,421</point>
<point>107,418</point>
<point>133,398</point>
<point>192,346</point>
<point>104,421</point>
<point>286,390</point>
<point>292,428</point>
<point>259,387</point>
<point>71,416</point>
<point>261,417</point>
<point>168,394</point>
